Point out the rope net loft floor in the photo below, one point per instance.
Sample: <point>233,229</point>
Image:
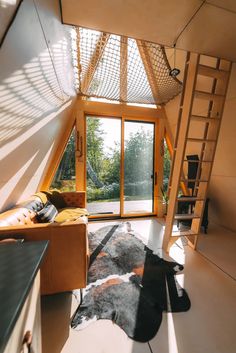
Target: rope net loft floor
<point>122,69</point>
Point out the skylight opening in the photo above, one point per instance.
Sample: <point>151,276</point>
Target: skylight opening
<point>121,69</point>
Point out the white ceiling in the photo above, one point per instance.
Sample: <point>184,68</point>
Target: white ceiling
<point>207,27</point>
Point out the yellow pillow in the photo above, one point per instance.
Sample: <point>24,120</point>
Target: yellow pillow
<point>42,196</point>
<point>70,214</point>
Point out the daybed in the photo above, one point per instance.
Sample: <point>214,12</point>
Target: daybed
<point>66,262</point>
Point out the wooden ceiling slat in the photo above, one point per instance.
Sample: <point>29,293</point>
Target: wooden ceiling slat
<point>97,54</point>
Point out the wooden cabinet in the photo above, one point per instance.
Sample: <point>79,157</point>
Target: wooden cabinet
<point>20,312</point>
<point>26,335</point>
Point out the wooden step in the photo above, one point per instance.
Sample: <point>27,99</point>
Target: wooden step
<point>208,96</point>
<point>183,233</point>
<point>194,180</point>
<point>189,198</point>
<point>194,139</point>
<point>197,161</point>
<point>185,216</point>
<point>204,119</point>
<point>212,72</point>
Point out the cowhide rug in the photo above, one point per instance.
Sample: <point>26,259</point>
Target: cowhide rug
<point>129,285</point>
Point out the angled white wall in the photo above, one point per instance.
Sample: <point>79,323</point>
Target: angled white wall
<point>36,97</point>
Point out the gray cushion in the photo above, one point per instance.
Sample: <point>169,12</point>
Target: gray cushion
<point>47,214</point>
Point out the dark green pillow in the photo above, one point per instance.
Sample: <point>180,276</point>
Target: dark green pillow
<point>56,198</point>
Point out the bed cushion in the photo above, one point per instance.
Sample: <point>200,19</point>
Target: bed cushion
<point>70,214</point>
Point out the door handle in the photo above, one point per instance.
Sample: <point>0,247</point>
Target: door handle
<point>26,344</point>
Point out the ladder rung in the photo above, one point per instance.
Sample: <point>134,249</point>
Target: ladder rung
<point>183,233</point>
<point>189,198</point>
<point>186,216</point>
<point>197,161</point>
<point>204,119</point>
<point>208,96</point>
<point>195,180</point>
<point>211,72</point>
<point>194,139</point>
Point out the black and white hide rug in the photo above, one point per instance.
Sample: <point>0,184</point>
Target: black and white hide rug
<point>128,284</point>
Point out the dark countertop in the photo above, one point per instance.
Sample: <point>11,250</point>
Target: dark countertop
<point>19,264</point>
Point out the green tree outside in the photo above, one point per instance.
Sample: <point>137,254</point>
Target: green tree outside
<point>95,153</point>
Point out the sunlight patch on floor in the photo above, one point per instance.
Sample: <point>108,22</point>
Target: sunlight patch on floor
<point>172,342</point>
<point>177,252</point>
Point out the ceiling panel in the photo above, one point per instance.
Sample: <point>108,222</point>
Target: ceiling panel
<point>207,27</point>
<point>225,4</point>
<point>212,31</point>
<point>159,21</point>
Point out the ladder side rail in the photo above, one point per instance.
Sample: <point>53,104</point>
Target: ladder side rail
<point>184,187</point>
<point>210,105</point>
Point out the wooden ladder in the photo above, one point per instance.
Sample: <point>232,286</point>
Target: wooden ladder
<point>197,133</point>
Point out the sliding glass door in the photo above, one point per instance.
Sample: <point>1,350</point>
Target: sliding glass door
<point>119,167</point>
<point>138,167</point>
<point>103,165</point>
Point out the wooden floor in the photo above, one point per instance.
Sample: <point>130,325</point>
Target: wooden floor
<point>209,327</point>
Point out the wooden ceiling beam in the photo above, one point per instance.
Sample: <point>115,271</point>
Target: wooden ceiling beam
<point>123,68</point>
<point>143,51</point>
<point>94,61</point>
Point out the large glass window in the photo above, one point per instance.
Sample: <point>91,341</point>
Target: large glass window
<point>166,167</point>
<point>114,186</point>
<point>64,179</point>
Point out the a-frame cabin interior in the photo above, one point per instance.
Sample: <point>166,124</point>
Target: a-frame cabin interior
<point>127,109</point>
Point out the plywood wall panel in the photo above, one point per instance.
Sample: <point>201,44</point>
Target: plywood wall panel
<point>205,27</point>
<point>222,191</point>
<point>223,201</point>
<point>212,32</point>
<point>225,4</point>
<point>157,21</point>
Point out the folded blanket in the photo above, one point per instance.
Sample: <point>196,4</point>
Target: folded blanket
<point>70,214</point>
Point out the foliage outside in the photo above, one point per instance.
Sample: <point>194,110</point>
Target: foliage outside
<point>106,165</point>
<point>167,167</point>
<point>64,179</point>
